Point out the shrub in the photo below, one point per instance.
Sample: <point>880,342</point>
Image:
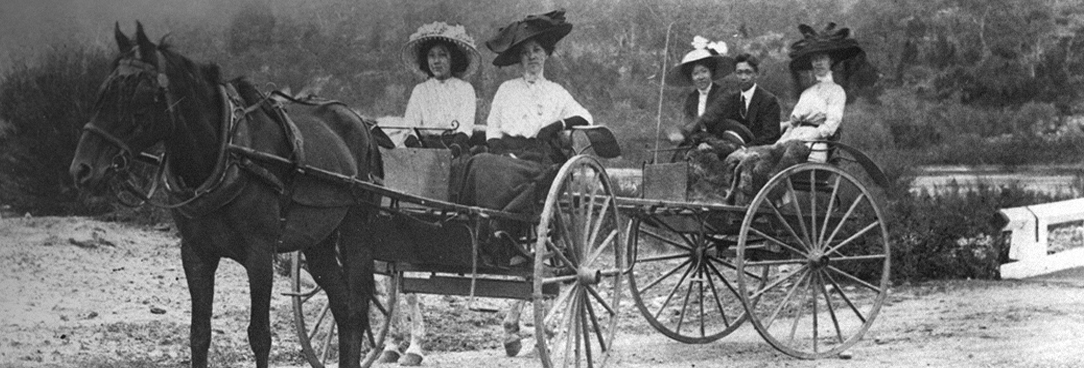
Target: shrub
<point>46,104</point>
<point>954,235</point>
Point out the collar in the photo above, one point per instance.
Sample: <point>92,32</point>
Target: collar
<point>748,94</point>
<point>533,79</point>
<point>705,92</point>
<point>826,78</point>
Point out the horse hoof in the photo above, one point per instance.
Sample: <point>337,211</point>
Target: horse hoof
<point>388,356</point>
<point>411,360</point>
<point>511,348</point>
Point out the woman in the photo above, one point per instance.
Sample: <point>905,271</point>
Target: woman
<point>528,112</point>
<point>819,111</point>
<point>443,106</point>
<point>441,112</point>
<point>700,68</point>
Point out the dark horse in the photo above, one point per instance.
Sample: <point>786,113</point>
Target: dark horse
<point>228,205</point>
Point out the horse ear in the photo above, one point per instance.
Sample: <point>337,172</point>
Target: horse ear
<point>212,73</point>
<point>146,47</point>
<point>123,43</point>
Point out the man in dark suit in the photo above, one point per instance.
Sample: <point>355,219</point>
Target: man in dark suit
<point>753,107</point>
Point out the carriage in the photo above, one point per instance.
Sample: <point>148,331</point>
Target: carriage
<point>806,261</point>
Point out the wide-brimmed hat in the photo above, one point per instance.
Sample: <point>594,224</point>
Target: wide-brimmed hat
<point>547,29</point>
<point>456,35</point>
<point>838,44</point>
<point>710,54</point>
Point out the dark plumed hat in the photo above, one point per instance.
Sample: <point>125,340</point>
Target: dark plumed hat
<point>547,29</point>
<point>837,43</point>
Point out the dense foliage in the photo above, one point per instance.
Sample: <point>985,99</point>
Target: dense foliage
<point>961,82</point>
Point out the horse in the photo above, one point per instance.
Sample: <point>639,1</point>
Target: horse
<point>227,205</point>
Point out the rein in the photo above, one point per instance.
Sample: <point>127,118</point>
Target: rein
<point>231,114</point>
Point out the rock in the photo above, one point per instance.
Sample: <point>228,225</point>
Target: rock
<point>157,310</point>
<point>846,355</point>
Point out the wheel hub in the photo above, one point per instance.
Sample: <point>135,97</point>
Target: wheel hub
<point>588,276</point>
<point>819,260</point>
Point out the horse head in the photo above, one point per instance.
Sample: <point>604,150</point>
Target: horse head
<point>138,106</point>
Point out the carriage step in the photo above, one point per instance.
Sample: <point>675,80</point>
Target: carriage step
<point>487,288</point>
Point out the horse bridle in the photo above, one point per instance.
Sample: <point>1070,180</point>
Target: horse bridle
<point>120,163</point>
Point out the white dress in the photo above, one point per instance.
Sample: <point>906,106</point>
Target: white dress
<point>442,104</point>
<point>520,108</point>
<point>817,115</point>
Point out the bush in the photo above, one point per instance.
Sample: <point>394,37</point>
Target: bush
<point>954,235</point>
<point>46,104</point>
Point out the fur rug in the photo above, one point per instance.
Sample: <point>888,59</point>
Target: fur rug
<point>734,174</point>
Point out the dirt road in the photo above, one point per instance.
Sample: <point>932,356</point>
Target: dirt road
<point>81,293</point>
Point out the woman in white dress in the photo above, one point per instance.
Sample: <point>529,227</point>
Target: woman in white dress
<point>443,106</point>
<point>441,113</point>
<point>819,111</point>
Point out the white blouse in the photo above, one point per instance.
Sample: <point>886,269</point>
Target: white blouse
<point>521,108</point>
<point>442,104</point>
<point>822,105</point>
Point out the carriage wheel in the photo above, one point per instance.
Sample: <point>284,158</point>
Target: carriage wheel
<point>579,250</point>
<point>826,241</point>
<point>683,282</point>
<point>316,327</point>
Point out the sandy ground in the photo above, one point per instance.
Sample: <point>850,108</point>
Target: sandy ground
<point>80,293</point>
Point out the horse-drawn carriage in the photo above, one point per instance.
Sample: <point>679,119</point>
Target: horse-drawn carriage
<point>812,238</point>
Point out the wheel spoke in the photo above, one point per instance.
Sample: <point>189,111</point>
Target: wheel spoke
<point>319,321</point>
<point>786,300</point>
<point>846,216</point>
<point>685,303</point>
<point>665,275</point>
<point>601,300</point>
<point>828,301</point>
<point>779,242</point>
<point>586,337</point>
<point>700,286</point>
<point>606,243</point>
<point>668,241</point>
<point>855,279</point>
<point>595,326</point>
<point>733,267</point>
<point>813,298</point>
<point>558,305</point>
<point>798,213</point>
<point>777,262</point>
<point>327,344</point>
<point>853,237</point>
<point>839,291</point>
<point>665,257</point>
<point>673,230</point>
<point>715,295</point>
<point>602,220</point>
<point>786,225</point>
<point>775,283</point>
<point>812,208</point>
<point>868,257</point>
<point>673,291</point>
<point>797,318</point>
<point>569,240</point>
<point>559,254</point>
<point>828,212</point>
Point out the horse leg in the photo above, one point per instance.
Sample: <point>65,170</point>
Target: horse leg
<point>414,353</point>
<point>199,271</point>
<point>325,270</point>
<point>260,274</point>
<point>512,345</point>
<point>356,251</point>
<point>390,352</point>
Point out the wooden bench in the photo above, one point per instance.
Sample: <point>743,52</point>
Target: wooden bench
<point>1028,248</point>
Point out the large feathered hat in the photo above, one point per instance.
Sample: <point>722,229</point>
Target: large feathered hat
<point>455,35</point>
<point>547,29</point>
<point>837,43</point>
<point>710,54</point>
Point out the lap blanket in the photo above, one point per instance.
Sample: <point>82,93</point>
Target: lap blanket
<point>735,177</point>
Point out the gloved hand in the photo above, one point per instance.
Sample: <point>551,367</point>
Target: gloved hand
<point>550,131</point>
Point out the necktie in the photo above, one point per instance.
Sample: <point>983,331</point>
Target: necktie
<point>742,108</point>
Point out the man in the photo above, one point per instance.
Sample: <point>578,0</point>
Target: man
<point>753,107</point>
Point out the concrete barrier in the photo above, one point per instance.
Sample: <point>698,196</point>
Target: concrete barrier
<point>1028,246</point>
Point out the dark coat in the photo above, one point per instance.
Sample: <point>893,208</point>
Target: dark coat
<point>693,98</point>
<point>762,118</point>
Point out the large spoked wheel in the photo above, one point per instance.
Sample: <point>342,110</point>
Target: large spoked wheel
<point>682,280</point>
<point>825,239</point>
<point>578,249</point>
<point>316,326</point>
